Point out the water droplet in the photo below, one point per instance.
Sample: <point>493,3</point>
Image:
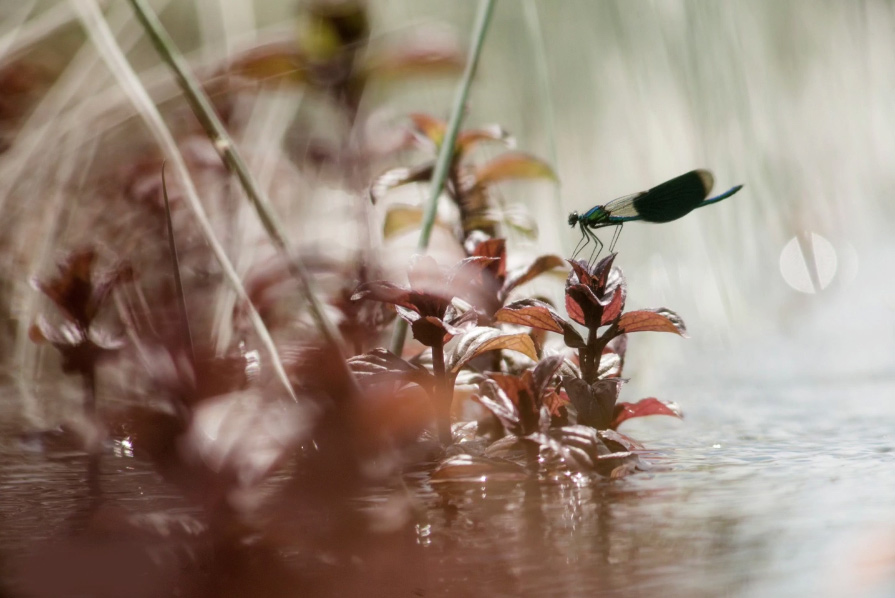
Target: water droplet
<point>423,534</point>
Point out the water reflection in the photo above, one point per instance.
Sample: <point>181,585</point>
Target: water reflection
<point>732,509</point>
<point>582,539</point>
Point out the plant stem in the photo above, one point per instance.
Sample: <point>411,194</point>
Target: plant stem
<point>532,457</point>
<point>178,280</point>
<point>446,151</point>
<point>595,346</point>
<point>88,375</point>
<point>587,370</point>
<point>444,395</point>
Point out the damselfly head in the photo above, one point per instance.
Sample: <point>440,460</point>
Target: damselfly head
<point>573,219</point>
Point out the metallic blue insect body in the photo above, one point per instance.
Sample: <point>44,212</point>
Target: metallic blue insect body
<point>663,203</point>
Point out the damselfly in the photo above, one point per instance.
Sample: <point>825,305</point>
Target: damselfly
<point>663,203</point>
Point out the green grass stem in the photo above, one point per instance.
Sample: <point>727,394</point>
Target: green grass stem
<point>446,151</point>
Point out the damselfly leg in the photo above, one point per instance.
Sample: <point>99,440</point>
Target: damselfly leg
<point>582,243</point>
<point>598,246</point>
<point>615,236</point>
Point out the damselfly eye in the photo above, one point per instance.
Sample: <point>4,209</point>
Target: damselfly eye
<point>573,219</point>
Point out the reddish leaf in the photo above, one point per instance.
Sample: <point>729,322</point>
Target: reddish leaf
<point>381,363</point>
<point>644,407</point>
<point>512,166</point>
<point>590,291</point>
<point>656,320</point>
<point>387,292</point>
<point>429,127</point>
<point>498,401</point>
<point>483,339</point>
<point>530,391</point>
<point>543,374</point>
<point>536,268</point>
<point>360,322</point>
<point>554,402</point>
<point>618,442</point>
<point>595,276</point>
<point>578,446</point>
<point>428,52</point>
<point>574,308</point>
<point>72,288</point>
<point>275,63</point>
<point>493,248</point>
<point>612,311</point>
<point>512,385</point>
<point>530,312</point>
<point>78,291</point>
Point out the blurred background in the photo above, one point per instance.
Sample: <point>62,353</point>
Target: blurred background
<point>780,480</point>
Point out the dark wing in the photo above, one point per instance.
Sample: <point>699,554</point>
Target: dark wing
<point>675,198</point>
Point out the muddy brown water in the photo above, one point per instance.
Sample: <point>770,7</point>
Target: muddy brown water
<point>761,504</point>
